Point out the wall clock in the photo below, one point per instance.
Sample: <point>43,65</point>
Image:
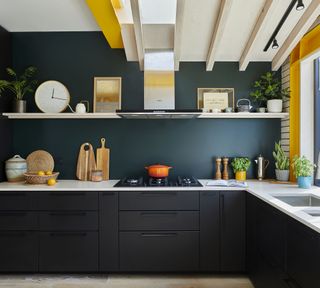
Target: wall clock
<point>52,97</point>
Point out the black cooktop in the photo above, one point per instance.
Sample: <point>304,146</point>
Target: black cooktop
<point>158,182</point>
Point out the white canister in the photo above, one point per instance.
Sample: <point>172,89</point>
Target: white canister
<point>15,168</point>
<point>81,108</point>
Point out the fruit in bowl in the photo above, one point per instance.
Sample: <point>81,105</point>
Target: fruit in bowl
<point>41,178</point>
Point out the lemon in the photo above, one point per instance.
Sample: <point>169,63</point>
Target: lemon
<point>51,182</point>
<point>41,173</point>
<point>48,172</point>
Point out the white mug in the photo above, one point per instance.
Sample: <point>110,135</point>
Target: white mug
<point>81,108</point>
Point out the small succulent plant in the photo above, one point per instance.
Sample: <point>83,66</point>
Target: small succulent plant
<point>282,160</point>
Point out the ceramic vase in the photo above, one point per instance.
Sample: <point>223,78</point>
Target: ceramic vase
<point>274,106</point>
<point>241,175</point>
<point>282,175</point>
<point>304,182</point>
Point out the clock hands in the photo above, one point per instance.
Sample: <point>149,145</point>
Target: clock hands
<point>52,96</point>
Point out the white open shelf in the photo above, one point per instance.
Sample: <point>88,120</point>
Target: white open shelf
<point>116,116</point>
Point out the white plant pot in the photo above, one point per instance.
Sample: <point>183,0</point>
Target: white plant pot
<point>274,106</point>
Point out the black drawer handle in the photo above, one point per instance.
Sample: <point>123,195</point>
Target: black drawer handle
<point>158,213</point>
<point>65,213</point>
<point>19,214</point>
<point>159,234</point>
<point>108,193</point>
<point>160,193</point>
<point>67,193</point>
<point>13,194</point>
<point>69,234</point>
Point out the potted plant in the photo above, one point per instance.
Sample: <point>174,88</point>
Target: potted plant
<point>240,167</point>
<point>259,98</point>
<point>20,85</point>
<point>269,88</point>
<point>303,170</point>
<point>282,163</point>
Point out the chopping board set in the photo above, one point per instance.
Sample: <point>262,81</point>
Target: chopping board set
<point>87,162</point>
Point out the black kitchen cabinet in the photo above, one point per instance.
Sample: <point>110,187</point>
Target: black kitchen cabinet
<point>159,251</point>
<point>303,254</point>
<point>209,231</point>
<point>68,251</point>
<point>108,244</point>
<point>18,251</point>
<point>232,231</point>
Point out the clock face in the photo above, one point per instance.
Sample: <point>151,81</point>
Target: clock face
<point>52,97</point>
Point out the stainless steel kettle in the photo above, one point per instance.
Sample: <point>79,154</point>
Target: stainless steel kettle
<point>262,165</point>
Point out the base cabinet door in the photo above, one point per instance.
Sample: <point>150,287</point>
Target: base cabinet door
<point>18,251</point>
<point>68,252</point>
<point>303,254</point>
<point>108,234</point>
<point>209,231</point>
<point>233,231</point>
<point>160,251</point>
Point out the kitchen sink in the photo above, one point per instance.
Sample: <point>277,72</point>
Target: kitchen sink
<point>300,200</point>
<point>313,213</point>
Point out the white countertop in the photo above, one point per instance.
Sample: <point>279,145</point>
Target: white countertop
<point>263,190</point>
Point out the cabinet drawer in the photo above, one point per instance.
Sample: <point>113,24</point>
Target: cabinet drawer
<point>68,252</point>
<point>159,220</point>
<point>67,200</point>
<point>16,200</point>
<point>68,220</point>
<point>18,220</point>
<point>18,251</point>
<point>159,251</point>
<point>159,200</point>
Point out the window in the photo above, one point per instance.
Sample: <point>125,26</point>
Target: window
<point>317,118</point>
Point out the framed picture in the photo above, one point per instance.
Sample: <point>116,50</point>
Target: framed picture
<point>107,94</point>
<point>210,99</point>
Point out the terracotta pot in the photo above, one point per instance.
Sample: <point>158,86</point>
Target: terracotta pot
<point>241,175</point>
<point>158,171</point>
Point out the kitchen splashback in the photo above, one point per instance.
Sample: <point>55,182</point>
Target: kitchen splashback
<point>74,58</point>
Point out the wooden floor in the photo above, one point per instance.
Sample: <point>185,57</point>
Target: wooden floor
<point>123,281</point>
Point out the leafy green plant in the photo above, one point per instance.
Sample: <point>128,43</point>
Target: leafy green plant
<point>20,85</point>
<point>268,87</point>
<point>302,166</point>
<point>282,160</point>
<point>240,164</point>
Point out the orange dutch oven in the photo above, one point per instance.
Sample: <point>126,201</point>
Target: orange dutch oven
<point>158,171</point>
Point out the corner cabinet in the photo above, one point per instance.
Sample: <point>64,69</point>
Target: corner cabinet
<point>282,252</point>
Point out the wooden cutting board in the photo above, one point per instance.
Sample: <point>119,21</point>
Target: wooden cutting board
<point>103,156</point>
<point>86,162</point>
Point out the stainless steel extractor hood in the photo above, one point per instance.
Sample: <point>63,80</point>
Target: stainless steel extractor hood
<point>159,80</point>
<point>159,97</point>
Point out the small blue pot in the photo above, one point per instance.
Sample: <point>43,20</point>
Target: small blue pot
<point>304,182</point>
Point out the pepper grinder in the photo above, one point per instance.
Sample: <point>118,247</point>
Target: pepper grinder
<point>218,169</point>
<point>225,174</point>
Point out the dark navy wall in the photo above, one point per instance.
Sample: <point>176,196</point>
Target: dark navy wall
<point>188,145</point>
<point>5,125</point>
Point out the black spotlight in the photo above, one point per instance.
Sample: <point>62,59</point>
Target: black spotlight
<point>275,44</point>
<point>300,5</point>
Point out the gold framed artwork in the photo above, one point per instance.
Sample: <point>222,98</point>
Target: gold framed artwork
<point>215,99</point>
<point>106,94</point>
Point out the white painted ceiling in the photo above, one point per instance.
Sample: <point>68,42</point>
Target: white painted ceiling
<point>46,15</point>
<point>158,19</point>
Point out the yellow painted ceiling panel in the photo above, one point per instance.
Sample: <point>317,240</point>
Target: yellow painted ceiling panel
<point>106,18</point>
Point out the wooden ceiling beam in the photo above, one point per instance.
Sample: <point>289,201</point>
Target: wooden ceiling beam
<point>301,28</point>
<point>246,54</point>
<point>224,11</point>
<point>138,31</point>
<point>178,33</point>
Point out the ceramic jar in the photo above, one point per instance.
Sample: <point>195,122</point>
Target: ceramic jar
<point>15,168</point>
<point>274,106</point>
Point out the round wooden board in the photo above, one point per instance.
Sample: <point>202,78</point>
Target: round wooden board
<point>40,160</point>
